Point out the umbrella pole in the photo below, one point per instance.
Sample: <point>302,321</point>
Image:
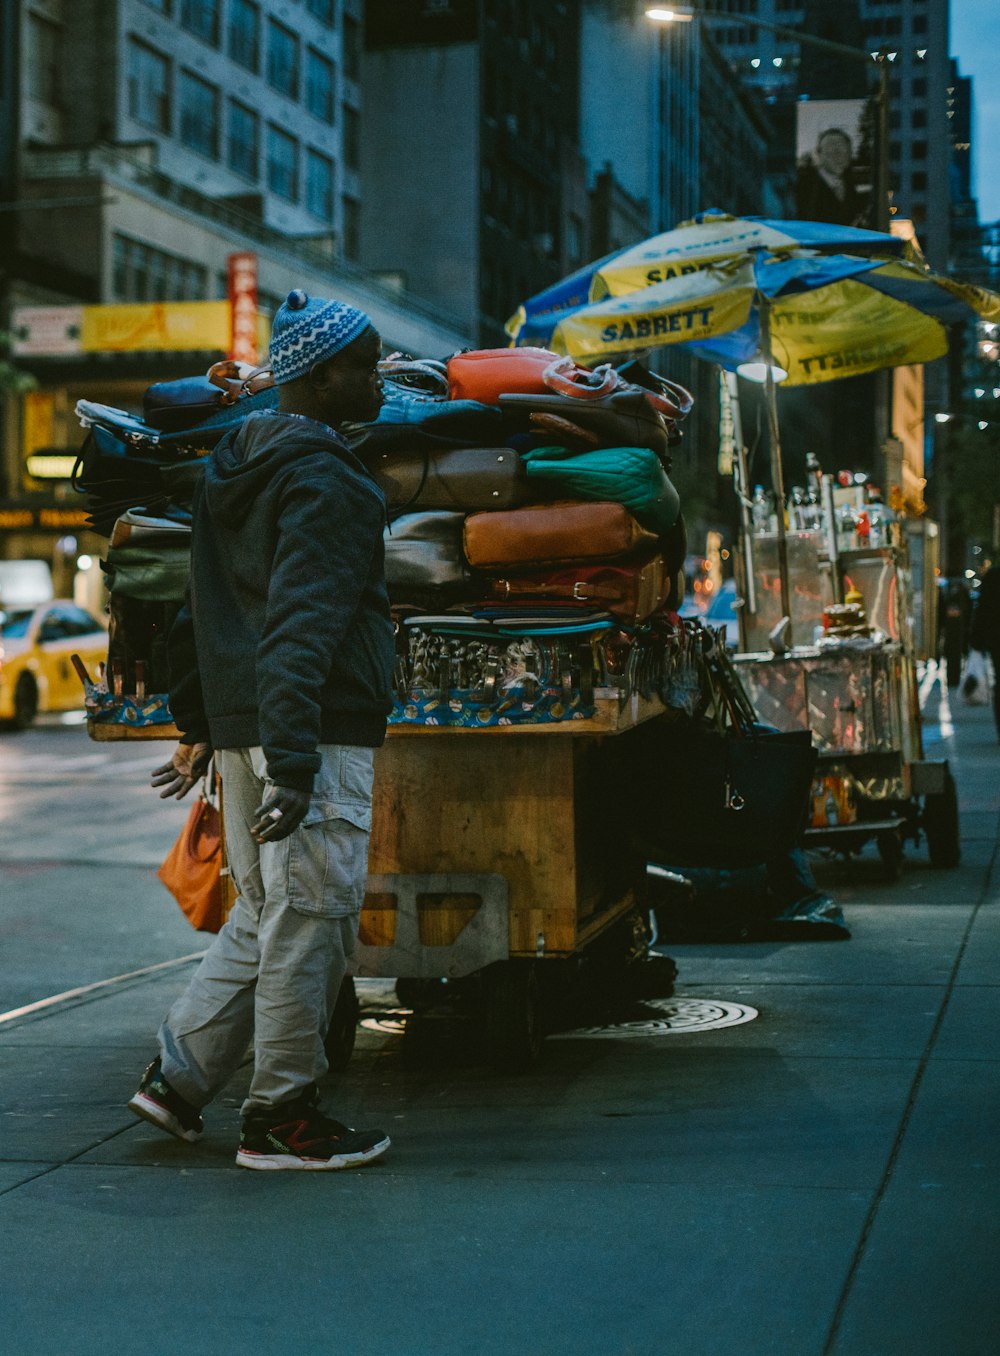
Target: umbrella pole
<point>777,473</point>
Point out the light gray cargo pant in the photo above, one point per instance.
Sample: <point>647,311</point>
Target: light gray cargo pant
<point>275,969</point>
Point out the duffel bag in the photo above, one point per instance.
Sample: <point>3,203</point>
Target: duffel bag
<point>634,476</point>
<point>173,405</point>
<point>466,478</point>
<point>550,534</point>
<point>423,557</point>
<point>485,374</point>
<point>629,592</point>
<point>411,427</point>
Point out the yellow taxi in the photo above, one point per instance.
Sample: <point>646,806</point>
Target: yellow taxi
<point>36,672</point>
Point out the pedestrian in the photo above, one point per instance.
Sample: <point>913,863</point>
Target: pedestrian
<point>281,662</point>
<point>985,632</point>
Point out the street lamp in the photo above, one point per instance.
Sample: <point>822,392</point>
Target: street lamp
<point>882,60</point>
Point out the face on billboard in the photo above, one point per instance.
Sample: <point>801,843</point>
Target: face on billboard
<point>834,173</point>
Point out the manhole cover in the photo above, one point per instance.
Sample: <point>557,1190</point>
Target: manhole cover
<point>671,1017</point>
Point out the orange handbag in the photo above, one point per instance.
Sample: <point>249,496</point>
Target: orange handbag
<point>486,374</point>
<point>192,869</point>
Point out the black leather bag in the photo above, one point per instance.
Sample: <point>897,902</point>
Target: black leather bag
<point>463,478</point>
<point>725,796</point>
<point>424,559</point>
<point>621,419</point>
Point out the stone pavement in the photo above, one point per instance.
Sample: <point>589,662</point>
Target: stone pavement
<point>821,1181</point>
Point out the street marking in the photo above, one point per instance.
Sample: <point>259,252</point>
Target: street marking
<point>58,998</point>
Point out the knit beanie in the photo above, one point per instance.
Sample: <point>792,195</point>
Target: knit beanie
<point>308,330</point>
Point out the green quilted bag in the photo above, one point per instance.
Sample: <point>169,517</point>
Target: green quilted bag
<point>633,476</point>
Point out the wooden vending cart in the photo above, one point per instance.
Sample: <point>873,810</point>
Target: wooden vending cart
<point>495,854</point>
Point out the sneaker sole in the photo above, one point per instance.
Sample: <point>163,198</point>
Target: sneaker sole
<point>292,1163</point>
<point>147,1110</point>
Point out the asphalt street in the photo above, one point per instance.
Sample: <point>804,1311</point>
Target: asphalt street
<point>821,1180</point>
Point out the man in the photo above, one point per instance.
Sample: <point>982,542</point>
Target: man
<point>985,634</point>
<point>825,189</point>
<point>281,663</point>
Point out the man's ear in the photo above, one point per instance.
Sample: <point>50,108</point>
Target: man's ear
<point>322,376</point>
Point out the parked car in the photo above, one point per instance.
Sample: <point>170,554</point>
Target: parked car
<point>721,611</point>
<point>715,610</point>
<point>35,648</point>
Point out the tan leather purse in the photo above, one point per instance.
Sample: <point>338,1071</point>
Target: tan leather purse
<point>550,534</point>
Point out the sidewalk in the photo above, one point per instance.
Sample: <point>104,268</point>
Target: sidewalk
<point>821,1181</point>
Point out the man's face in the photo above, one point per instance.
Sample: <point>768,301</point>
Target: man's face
<point>348,385</point>
<point>834,152</point>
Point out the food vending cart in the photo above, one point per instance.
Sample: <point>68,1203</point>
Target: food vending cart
<point>860,618</point>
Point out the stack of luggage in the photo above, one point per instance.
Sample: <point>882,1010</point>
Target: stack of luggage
<point>534,545</point>
<point>534,531</point>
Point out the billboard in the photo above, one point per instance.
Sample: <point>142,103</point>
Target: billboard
<point>164,327</point>
<point>834,161</point>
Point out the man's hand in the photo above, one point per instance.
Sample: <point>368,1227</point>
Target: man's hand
<point>187,766</point>
<point>281,813</point>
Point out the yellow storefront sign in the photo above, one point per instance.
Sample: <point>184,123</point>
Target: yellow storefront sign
<point>169,326</point>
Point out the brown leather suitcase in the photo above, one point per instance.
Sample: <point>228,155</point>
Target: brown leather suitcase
<point>551,534</point>
<point>629,592</point>
<point>462,478</point>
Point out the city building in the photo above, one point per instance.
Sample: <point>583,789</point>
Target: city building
<point>474,183</point>
<point>144,143</point>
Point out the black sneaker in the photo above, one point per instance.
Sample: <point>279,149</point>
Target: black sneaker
<point>299,1137</point>
<point>157,1102</point>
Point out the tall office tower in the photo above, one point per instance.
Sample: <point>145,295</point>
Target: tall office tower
<point>474,185</point>
<point>916,32</point>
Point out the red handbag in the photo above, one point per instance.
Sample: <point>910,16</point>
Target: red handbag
<point>486,374</point>
<point>630,592</point>
<point>192,871</point>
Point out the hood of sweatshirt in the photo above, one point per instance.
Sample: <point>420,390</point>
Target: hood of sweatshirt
<point>247,459</point>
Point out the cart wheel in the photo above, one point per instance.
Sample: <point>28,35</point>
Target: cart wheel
<point>512,1015</point>
<point>940,822</point>
<point>339,1043</point>
<point>890,849</point>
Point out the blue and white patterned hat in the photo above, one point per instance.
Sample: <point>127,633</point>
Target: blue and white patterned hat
<point>308,330</point>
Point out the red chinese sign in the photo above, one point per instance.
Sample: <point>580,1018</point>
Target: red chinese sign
<point>243,307</point>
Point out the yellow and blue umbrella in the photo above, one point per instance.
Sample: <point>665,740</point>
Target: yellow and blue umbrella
<point>704,242</point>
<point>820,317</point>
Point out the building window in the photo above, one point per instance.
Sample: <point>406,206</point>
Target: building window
<point>352,48</point>
<point>920,23</point>
<point>244,140</point>
<point>244,33</point>
<point>352,228</point>
<point>282,59</point>
<point>918,118</point>
<point>319,185</point>
<point>920,87</point>
<point>319,86</point>
<point>199,110</point>
<point>322,10</point>
<point>44,59</point>
<point>352,138</point>
<point>141,273</point>
<point>918,181</point>
<point>282,164</point>
<point>148,87</point>
<point>201,17</point>
<point>918,149</point>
